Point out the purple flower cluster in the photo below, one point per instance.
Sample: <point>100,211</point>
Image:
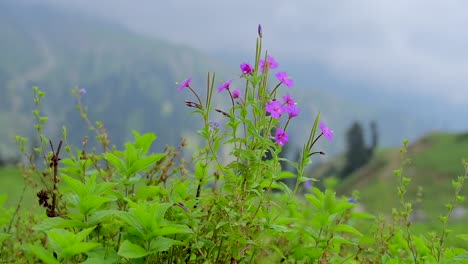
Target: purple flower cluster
<point>274,107</point>
<point>277,109</point>
<point>270,63</point>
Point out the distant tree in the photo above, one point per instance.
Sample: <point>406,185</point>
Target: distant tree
<point>358,154</point>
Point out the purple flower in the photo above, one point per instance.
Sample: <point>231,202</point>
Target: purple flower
<point>272,64</point>
<point>326,131</point>
<point>236,93</point>
<point>292,111</point>
<point>352,200</point>
<point>281,137</point>
<point>185,84</point>
<point>214,124</point>
<point>83,91</point>
<point>274,108</point>
<point>260,30</point>
<point>224,86</point>
<point>246,69</point>
<point>287,99</point>
<point>283,77</point>
<point>308,184</point>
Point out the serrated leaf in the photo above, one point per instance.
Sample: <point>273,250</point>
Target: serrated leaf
<point>102,256</point>
<point>163,244</point>
<point>43,254</point>
<point>129,250</point>
<point>143,163</point>
<point>58,222</point>
<point>49,223</point>
<point>341,240</point>
<point>75,185</point>
<point>347,229</point>
<point>173,229</point>
<point>115,161</point>
<point>78,248</point>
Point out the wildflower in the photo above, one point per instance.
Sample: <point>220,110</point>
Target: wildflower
<point>236,93</point>
<point>287,99</point>
<point>260,30</point>
<point>308,184</point>
<point>292,111</point>
<point>283,77</point>
<point>185,84</point>
<point>224,86</point>
<point>274,108</point>
<point>83,91</point>
<point>281,137</point>
<point>328,133</point>
<point>214,124</point>
<point>272,64</point>
<point>352,200</point>
<point>246,69</point>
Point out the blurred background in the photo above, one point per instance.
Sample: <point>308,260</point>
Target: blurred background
<point>378,71</point>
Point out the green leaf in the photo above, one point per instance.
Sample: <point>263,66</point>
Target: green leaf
<point>173,229</point>
<point>57,222</point>
<point>98,216</point>
<point>143,142</point>
<point>75,185</point>
<point>463,236</point>
<point>78,248</point>
<point>163,244</point>
<point>90,203</point>
<point>102,256</point>
<point>347,229</point>
<point>361,215</point>
<point>129,250</point>
<point>340,240</point>
<point>286,175</point>
<point>115,161</point>
<point>280,228</point>
<point>3,236</point>
<point>143,163</point>
<point>462,257</point>
<point>43,254</point>
<point>83,234</point>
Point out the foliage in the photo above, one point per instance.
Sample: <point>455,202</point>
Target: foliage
<point>133,206</point>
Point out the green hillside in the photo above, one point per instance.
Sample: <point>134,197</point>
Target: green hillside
<point>130,78</point>
<point>436,160</point>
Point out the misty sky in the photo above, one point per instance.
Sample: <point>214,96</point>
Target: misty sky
<point>422,44</point>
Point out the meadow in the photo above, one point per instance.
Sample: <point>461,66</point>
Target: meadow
<point>131,205</point>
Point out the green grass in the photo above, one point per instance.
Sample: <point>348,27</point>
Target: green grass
<point>12,184</point>
<point>436,160</point>
<point>443,154</point>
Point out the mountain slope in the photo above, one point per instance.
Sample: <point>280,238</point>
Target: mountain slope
<point>130,78</point>
<point>436,159</point>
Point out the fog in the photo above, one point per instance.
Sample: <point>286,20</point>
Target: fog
<point>421,44</point>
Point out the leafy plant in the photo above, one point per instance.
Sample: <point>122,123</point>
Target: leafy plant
<point>133,206</point>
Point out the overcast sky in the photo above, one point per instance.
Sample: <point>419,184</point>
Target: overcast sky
<point>420,43</point>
